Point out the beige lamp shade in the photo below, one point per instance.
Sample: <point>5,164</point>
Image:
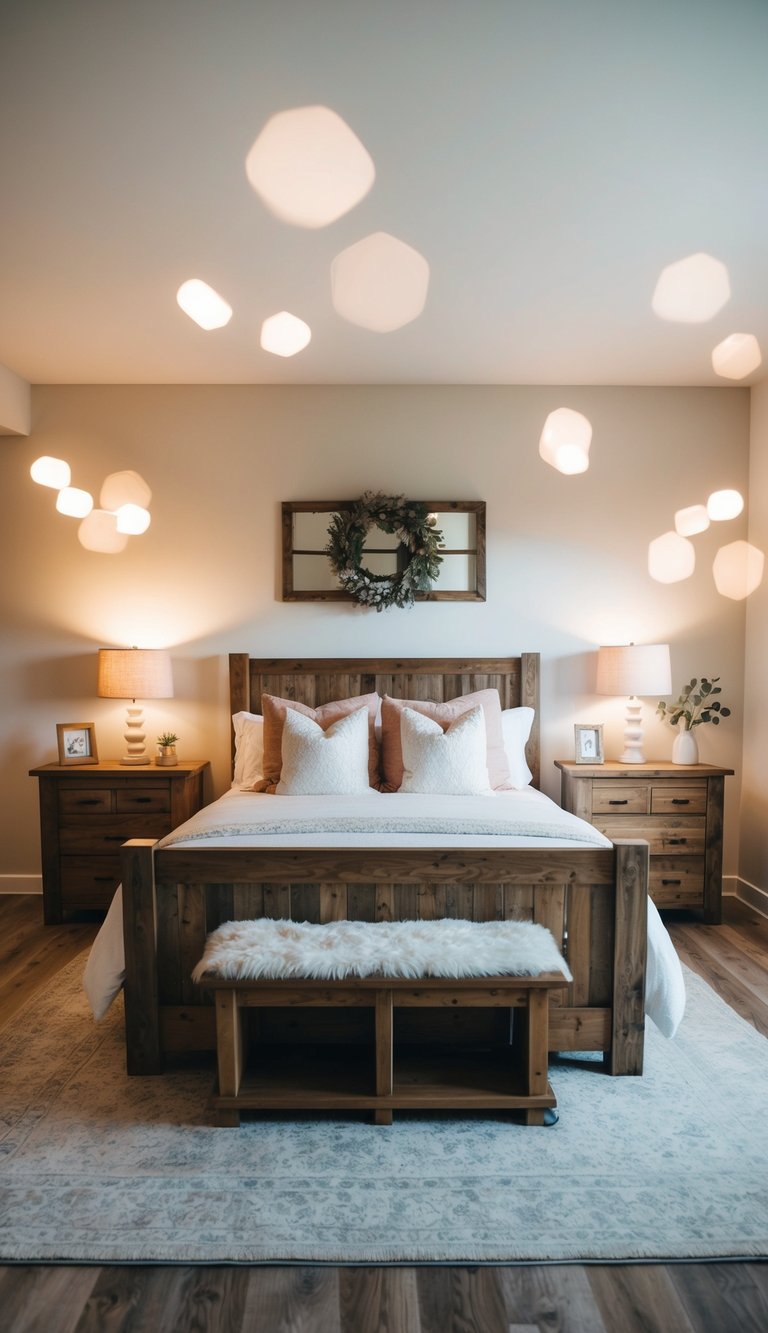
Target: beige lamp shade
<point>135,673</point>
<point>634,669</point>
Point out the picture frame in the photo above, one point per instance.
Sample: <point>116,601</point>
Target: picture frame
<point>77,742</point>
<point>588,737</point>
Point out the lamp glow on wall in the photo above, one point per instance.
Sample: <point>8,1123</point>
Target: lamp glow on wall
<point>123,510</point>
<point>135,673</point>
<point>634,670</point>
<point>565,441</point>
<point>738,570</point>
<point>671,558</point>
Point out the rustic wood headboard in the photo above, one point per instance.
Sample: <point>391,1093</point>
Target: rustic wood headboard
<point>315,681</point>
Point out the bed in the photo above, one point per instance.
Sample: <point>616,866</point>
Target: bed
<point>592,894</point>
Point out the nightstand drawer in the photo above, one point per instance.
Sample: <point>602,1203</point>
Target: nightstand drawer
<point>670,837</point>
<point>106,836</point>
<point>677,881</point>
<point>619,798</point>
<point>671,799</point>
<point>85,801</point>
<point>89,881</point>
<point>143,799</point>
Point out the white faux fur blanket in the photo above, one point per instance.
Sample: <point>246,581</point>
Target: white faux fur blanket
<point>269,948</point>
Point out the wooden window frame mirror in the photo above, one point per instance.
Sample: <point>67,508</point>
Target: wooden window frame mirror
<point>474,555</point>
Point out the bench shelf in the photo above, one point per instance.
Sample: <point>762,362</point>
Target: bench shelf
<point>384,1076</point>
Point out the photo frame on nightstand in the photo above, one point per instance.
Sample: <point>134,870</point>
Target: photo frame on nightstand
<point>588,743</point>
<point>77,742</point>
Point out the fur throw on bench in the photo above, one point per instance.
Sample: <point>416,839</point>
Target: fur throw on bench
<point>277,949</point>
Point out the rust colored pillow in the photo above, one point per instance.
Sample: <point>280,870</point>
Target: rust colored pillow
<point>391,749</point>
<point>273,711</point>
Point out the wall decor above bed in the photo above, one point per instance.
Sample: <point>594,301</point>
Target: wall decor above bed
<point>383,551</point>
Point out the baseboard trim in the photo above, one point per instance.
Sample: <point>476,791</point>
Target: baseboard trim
<point>751,895</point>
<point>21,884</point>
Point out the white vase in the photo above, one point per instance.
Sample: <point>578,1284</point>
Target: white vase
<point>685,748</point>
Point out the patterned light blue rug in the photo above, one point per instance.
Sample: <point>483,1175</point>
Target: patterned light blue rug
<point>95,1166</point>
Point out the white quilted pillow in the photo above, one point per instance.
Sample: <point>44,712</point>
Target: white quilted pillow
<point>445,763</point>
<point>333,762</point>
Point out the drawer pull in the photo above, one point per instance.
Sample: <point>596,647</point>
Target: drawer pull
<point>677,842</point>
<point>142,800</point>
<point>104,879</point>
<point>681,800</point>
<point>624,802</point>
<point>88,800</point>
<point>671,881</point>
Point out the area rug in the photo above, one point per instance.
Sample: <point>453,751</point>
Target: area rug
<point>98,1167</point>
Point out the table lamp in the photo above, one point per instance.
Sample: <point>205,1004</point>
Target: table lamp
<point>634,669</point>
<point>135,673</point>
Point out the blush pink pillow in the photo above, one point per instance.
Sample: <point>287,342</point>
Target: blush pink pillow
<point>391,748</point>
<point>274,710</point>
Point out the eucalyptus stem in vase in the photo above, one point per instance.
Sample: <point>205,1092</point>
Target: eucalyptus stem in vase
<point>695,705</point>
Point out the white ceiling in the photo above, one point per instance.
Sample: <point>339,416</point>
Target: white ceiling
<point>548,158</point>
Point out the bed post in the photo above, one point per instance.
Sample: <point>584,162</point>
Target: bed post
<point>239,690</point>
<point>142,1017</point>
<point>529,697</point>
<point>629,958</point>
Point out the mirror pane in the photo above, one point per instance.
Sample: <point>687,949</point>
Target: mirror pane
<point>312,573</point>
<point>310,530</point>
<point>459,530</point>
<point>458,573</point>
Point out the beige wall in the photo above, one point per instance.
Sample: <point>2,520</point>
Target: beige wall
<point>566,556</point>
<point>753,865</point>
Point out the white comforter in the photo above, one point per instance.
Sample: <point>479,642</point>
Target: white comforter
<point>524,818</point>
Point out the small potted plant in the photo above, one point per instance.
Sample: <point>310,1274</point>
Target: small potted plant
<point>696,704</point>
<point>166,749</point>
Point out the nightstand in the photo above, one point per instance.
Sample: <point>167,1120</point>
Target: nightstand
<point>88,811</point>
<point>677,808</point>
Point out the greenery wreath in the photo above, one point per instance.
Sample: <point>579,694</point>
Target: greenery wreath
<point>416,530</point>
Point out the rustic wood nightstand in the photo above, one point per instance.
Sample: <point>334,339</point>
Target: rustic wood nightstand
<point>88,811</point>
<point>677,808</point>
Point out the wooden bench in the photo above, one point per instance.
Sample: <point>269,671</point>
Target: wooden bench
<point>383,1075</point>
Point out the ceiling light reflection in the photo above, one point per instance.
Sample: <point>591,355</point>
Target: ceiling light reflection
<point>692,290</point>
<point>285,334</point>
<point>308,167</point>
<point>737,356</point>
<point>203,304</point>
<point>379,283</point>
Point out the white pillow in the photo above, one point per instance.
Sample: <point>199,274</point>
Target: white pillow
<point>333,762</point>
<point>516,726</point>
<point>249,748</point>
<point>446,763</point>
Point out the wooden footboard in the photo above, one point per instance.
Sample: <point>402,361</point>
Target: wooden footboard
<point>592,899</point>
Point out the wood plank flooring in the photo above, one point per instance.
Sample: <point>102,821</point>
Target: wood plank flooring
<point>571,1298</point>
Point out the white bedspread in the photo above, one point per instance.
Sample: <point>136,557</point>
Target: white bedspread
<point>524,818</point>
<point>503,819</point>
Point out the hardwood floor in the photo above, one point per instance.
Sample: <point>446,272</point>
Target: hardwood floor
<point>573,1298</point>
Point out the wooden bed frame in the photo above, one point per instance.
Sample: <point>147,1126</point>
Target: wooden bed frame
<point>592,899</point>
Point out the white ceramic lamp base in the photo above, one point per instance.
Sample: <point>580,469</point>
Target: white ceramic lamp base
<point>135,738</point>
<point>633,734</point>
